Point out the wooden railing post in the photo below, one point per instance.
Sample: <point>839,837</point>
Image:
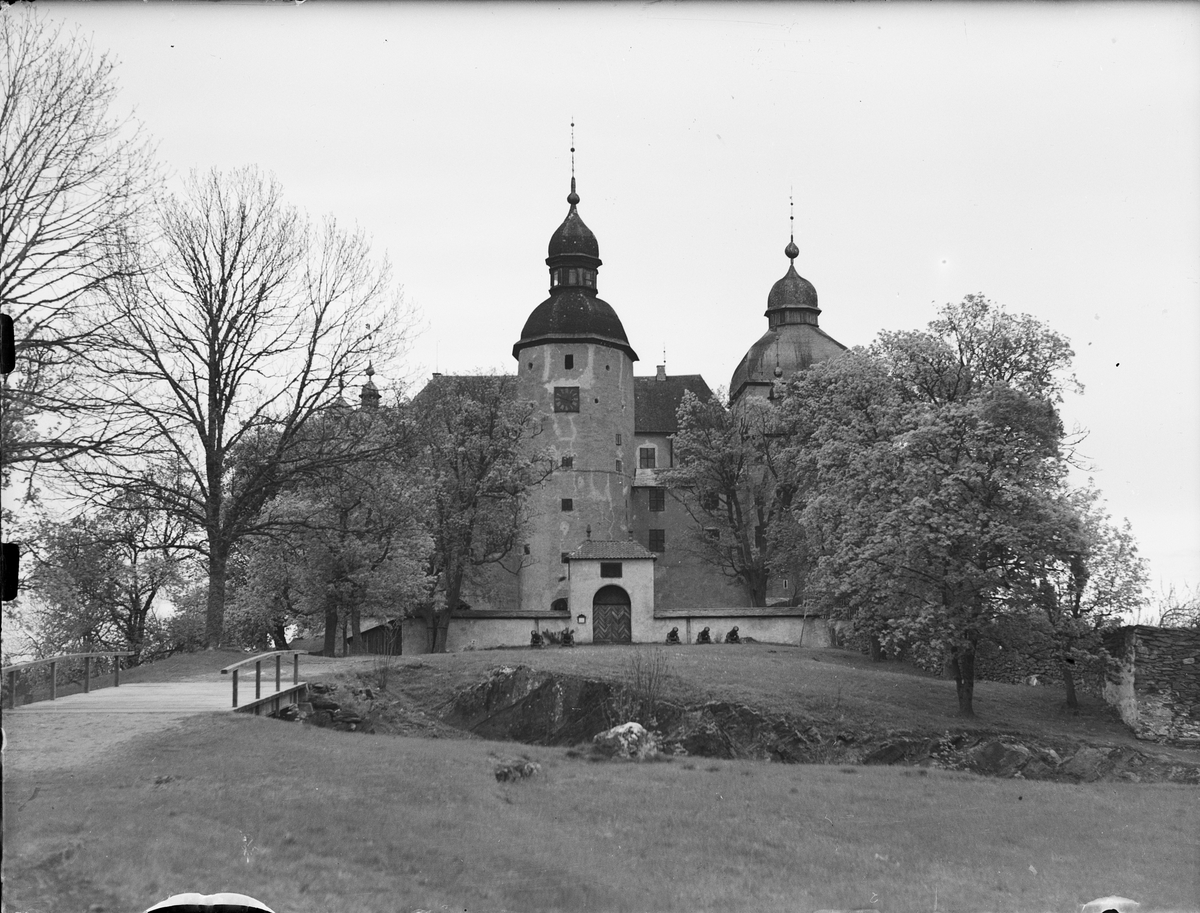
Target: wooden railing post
<point>278,662</point>
<point>295,668</point>
<point>235,672</point>
<point>53,681</point>
<point>87,674</point>
<point>116,672</point>
<point>258,680</point>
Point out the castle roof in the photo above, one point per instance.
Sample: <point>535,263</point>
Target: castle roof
<point>656,401</point>
<point>573,312</point>
<point>610,549</point>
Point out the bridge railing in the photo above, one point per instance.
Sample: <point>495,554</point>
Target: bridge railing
<point>258,662</point>
<point>11,672</point>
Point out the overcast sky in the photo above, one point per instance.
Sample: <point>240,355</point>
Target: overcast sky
<point>1046,155</point>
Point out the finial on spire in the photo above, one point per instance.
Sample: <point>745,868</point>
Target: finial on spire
<point>370,370</point>
<point>572,197</point>
<point>791,251</point>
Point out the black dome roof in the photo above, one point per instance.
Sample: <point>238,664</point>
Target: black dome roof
<point>573,237</point>
<point>792,291</point>
<point>574,315</point>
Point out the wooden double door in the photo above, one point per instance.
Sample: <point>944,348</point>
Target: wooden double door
<point>612,617</point>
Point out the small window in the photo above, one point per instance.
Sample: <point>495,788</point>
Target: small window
<point>610,568</point>
<point>568,504</point>
<point>712,532</point>
<point>618,438</point>
<point>527,550</point>
<point>568,462</point>
<point>646,457</point>
<point>559,605</point>
<point>620,466</point>
<point>710,501</point>
<point>564,557</point>
<point>658,499</point>
<point>589,278</point>
<point>568,362</point>
<point>566,399</point>
<point>785,583</point>
<point>555,278</point>
<point>658,540</point>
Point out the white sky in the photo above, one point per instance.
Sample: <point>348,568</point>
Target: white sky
<point>1046,155</point>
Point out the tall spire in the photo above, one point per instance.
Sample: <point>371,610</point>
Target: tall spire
<point>573,197</point>
<point>791,251</point>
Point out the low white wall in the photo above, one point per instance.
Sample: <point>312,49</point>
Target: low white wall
<point>813,631</point>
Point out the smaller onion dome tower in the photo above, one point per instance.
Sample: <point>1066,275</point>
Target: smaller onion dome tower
<point>793,341</point>
<point>575,368</point>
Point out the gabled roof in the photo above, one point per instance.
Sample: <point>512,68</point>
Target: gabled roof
<point>610,550</point>
<point>655,401</point>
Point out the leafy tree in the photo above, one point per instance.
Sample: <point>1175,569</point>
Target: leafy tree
<point>351,542</point>
<point>101,576</point>
<point>1175,610</point>
<point>475,446</point>
<point>733,484</point>
<point>74,182</point>
<point>935,458</point>
<point>236,343</point>
<point>1094,577</point>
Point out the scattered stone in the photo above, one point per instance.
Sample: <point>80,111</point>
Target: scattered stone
<point>629,740</point>
<point>515,771</point>
<point>997,758</point>
<point>322,687</point>
<point>320,702</point>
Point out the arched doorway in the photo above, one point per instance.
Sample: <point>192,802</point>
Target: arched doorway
<point>612,616</point>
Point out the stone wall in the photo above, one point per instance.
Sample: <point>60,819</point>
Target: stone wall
<point>1154,682</point>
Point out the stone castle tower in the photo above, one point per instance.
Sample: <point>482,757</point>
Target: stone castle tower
<point>575,364</point>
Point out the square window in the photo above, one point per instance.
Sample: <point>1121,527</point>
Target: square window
<point>564,557</point>
<point>566,399</point>
<point>658,499</point>
<point>618,438</point>
<point>712,532</point>
<point>620,466</point>
<point>646,457</point>
<point>658,540</point>
<point>610,568</point>
<point>568,462</point>
<point>568,504</point>
<point>568,361</point>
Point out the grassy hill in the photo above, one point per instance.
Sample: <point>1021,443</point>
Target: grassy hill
<point>316,821</point>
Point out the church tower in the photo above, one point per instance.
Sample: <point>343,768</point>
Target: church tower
<point>793,341</point>
<point>575,365</point>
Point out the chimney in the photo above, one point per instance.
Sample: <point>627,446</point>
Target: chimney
<point>662,373</point>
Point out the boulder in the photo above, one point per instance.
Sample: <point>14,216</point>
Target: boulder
<point>515,771</point>
<point>997,758</point>
<point>629,740</point>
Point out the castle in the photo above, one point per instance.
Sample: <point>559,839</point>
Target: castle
<point>604,552</point>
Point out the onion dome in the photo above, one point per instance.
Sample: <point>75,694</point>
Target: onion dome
<point>793,342</point>
<point>573,312</point>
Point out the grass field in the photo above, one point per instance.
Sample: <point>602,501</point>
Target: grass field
<point>316,821</point>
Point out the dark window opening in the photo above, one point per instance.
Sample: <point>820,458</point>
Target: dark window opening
<point>564,557</point>
<point>646,457</point>
<point>710,501</point>
<point>568,504</point>
<point>559,605</point>
<point>610,568</point>
<point>712,532</point>
<point>658,499</point>
<point>568,462</point>
<point>620,466</point>
<point>658,540</point>
<point>568,361</point>
<point>527,550</point>
<point>566,399</point>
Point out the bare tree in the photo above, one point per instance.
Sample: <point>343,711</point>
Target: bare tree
<point>226,358</point>
<point>73,183</point>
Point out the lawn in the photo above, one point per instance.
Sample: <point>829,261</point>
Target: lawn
<point>314,821</point>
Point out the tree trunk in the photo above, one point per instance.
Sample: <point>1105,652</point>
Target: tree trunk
<point>1069,684</point>
<point>329,648</point>
<point>279,635</point>
<point>356,632</point>
<point>876,650</point>
<point>964,679</point>
<point>214,615</point>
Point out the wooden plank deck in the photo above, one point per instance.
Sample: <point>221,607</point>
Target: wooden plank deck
<point>172,698</point>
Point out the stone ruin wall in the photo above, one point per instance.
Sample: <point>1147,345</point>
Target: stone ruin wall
<point>1154,682</point>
